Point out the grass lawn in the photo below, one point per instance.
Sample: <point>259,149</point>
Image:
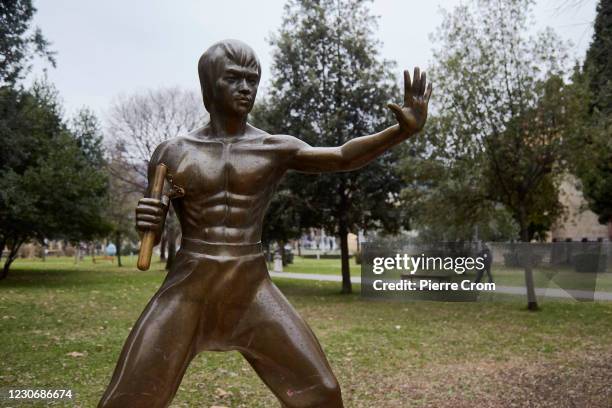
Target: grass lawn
<point>322,266</point>
<point>62,325</point>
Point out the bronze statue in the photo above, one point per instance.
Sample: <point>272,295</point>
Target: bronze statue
<point>218,294</point>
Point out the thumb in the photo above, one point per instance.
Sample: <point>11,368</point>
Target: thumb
<point>395,108</point>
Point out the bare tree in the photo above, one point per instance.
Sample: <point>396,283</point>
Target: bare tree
<point>137,123</point>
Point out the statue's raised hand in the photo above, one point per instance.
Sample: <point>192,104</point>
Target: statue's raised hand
<point>412,116</point>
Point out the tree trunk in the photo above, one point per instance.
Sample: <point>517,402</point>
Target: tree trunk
<point>281,245</point>
<point>344,255</point>
<point>532,301</point>
<point>2,243</point>
<point>268,253</point>
<point>118,245</point>
<point>10,258</point>
<point>171,238</point>
<point>5,268</point>
<point>299,247</point>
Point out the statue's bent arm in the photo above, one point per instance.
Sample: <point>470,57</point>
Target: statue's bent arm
<point>151,213</point>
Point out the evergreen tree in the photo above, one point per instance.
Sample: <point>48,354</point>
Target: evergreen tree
<point>52,179</point>
<point>595,161</point>
<point>19,42</point>
<point>329,86</point>
<point>598,61</point>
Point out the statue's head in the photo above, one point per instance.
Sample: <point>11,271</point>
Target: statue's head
<point>229,76</point>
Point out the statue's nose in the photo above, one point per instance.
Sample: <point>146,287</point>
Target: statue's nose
<point>244,87</point>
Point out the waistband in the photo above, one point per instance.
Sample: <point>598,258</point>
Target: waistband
<point>220,249</point>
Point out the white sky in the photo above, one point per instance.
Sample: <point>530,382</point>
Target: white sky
<point>112,47</point>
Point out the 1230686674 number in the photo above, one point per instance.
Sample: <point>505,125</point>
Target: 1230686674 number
<point>37,394</point>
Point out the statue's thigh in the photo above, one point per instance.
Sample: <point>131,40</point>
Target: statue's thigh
<point>285,353</point>
<point>159,347</point>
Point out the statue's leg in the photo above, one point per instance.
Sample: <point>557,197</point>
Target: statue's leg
<point>160,345</point>
<point>284,352</point>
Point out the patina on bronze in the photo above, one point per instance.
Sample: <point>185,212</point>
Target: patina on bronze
<point>218,294</point>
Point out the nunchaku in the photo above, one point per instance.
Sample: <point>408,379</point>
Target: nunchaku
<point>148,239</point>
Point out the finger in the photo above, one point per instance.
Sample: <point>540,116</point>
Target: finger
<point>407,88</point>
<point>428,92</point>
<point>395,108</point>
<point>151,201</point>
<point>423,83</point>
<point>399,114</point>
<point>147,209</point>
<point>154,219</point>
<point>416,85</point>
<point>146,226</point>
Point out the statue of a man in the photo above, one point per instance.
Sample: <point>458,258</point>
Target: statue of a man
<point>218,294</point>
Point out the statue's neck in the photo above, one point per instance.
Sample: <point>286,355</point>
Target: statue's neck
<point>225,125</point>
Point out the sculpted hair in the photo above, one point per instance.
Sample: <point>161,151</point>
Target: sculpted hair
<point>211,64</point>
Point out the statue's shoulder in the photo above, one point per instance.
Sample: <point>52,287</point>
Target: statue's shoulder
<point>171,150</point>
<point>172,146</point>
<point>284,142</point>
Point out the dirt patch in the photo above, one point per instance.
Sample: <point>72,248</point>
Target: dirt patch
<point>570,382</point>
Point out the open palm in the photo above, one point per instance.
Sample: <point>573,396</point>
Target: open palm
<point>412,116</point>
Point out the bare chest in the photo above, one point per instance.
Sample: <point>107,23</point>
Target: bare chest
<point>238,168</point>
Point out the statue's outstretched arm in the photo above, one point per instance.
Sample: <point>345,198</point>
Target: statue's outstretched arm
<point>358,152</point>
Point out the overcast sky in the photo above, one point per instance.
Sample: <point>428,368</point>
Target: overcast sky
<point>112,47</point>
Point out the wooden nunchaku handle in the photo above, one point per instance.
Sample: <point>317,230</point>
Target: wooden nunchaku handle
<point>148,238</point>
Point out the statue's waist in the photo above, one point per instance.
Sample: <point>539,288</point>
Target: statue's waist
<point>220,248</point>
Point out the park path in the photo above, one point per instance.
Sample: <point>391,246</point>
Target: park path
<point>510,290</point>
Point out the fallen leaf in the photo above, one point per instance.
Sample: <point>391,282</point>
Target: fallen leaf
<point>222,393</point>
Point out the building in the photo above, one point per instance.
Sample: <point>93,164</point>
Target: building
<point>579,222</point>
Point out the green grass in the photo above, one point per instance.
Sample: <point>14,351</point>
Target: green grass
<point>322,266</point>
<point>384,354</point>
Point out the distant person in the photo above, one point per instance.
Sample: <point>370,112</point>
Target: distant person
<point>487,255</point>
<point>111,251</point>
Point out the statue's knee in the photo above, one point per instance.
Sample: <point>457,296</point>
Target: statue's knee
<point>327,395</point>
<point>136,400</point>
<point>332,395</point>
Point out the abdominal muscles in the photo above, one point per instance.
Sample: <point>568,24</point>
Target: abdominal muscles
<point>224,217</point>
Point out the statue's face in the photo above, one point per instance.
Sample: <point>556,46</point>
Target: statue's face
<point>236,88</point>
